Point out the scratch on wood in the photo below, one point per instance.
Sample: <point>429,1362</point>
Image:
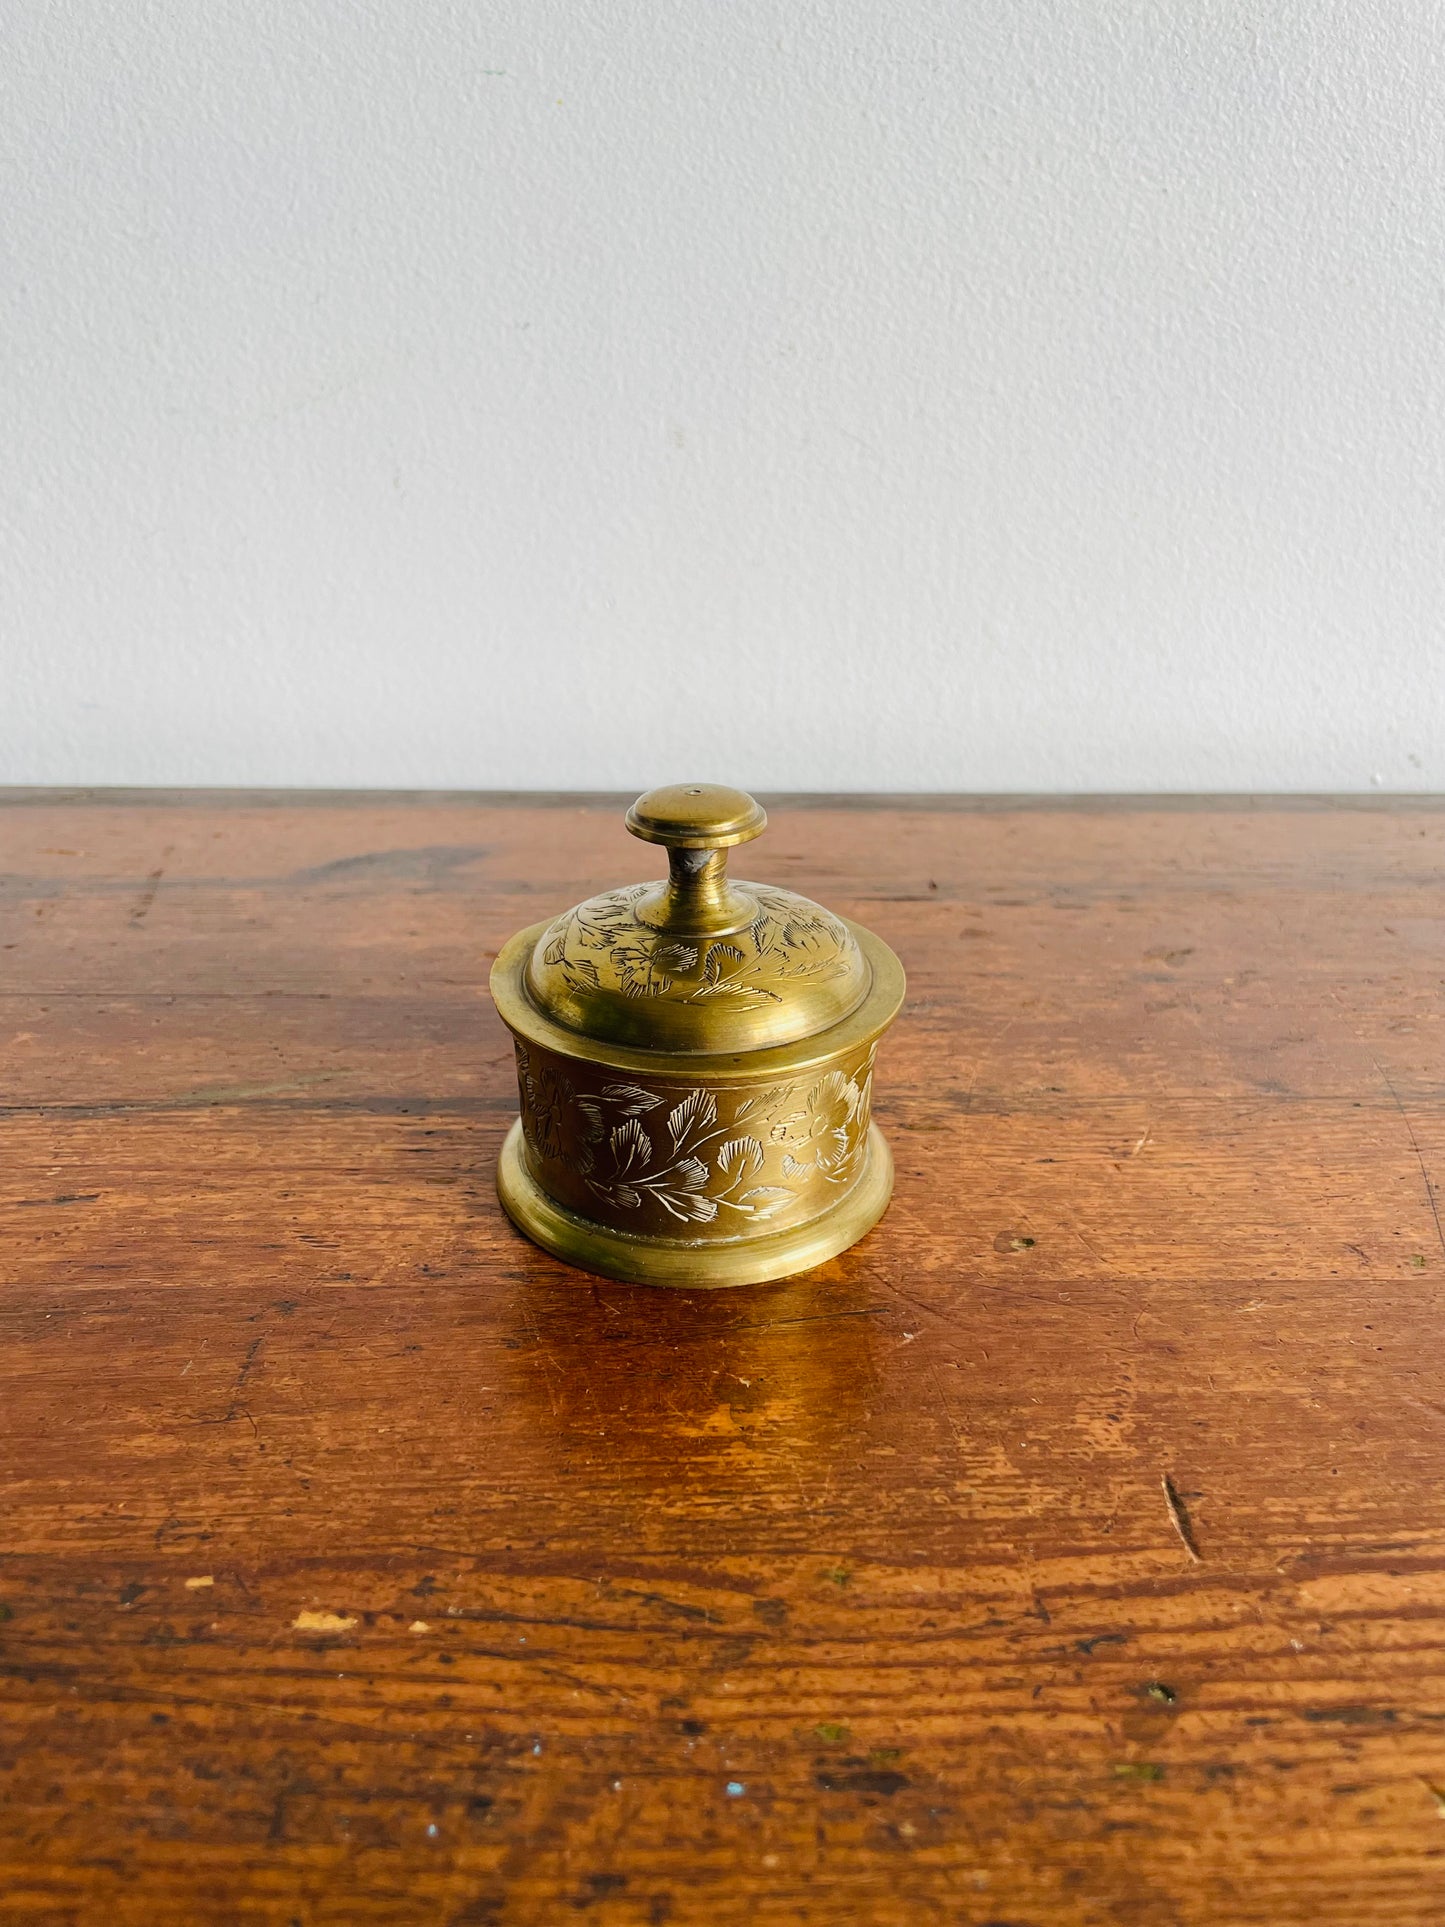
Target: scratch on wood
<point>1092,1250</point>
<point>238,1093</point>
<point>990,1046</point>
<point>948,1417</point>
<point>944,1313</point>
<point>1419,1154</point>
<point>1179,1517</point>
<point>815,1318</point>
<point>152,883</point>
<point>246,1363</point>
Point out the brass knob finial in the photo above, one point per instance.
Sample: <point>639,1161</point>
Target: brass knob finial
<point>697,816</point>
<point>698,823</point>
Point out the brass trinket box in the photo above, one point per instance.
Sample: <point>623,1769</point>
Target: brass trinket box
<point>695,1063</point>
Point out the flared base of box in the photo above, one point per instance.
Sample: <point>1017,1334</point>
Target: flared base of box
<point>692,1264</point>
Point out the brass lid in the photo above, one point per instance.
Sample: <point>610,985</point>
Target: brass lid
<point>700,963</point>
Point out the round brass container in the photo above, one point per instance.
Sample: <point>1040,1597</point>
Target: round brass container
<point>695,1064</point>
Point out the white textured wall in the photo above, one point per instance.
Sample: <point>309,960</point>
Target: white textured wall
<point>902,394</point>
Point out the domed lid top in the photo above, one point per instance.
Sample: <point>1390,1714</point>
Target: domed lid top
<point>696,816</point>
<point>698,963</point>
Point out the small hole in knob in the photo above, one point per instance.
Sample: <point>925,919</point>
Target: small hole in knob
<point>692,792</point>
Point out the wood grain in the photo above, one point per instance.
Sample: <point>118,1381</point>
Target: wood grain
<point>361,1565</point>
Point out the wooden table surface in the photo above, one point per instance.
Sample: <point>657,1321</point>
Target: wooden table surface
<point>1072,1551</point>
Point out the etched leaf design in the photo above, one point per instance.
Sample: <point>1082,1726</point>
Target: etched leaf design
<point>696,1112</point>
<point>719,958</point>
<point>691,1174</point>
<point>631,1147</point>
<point>767,1103</point>
<point>675,958</point>
<point>820,970</point>
<point>826,1092</point>
<point>622,1194</point>
<point>634,966</point>
<point>632,1098</point>
<point>739,1158</point>
<point>792,1168</point>
<point>835,1152</point>
<point>580,969</point>
<point>764,1199</point>
<point>730,987</point>
<point>596,1127</point>
<point>691,1206</point>
<point>557,949</point>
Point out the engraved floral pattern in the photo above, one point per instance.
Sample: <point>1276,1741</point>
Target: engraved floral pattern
<point>829,1136</point>
<point>721,1159</point>
<point>790,940</point>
